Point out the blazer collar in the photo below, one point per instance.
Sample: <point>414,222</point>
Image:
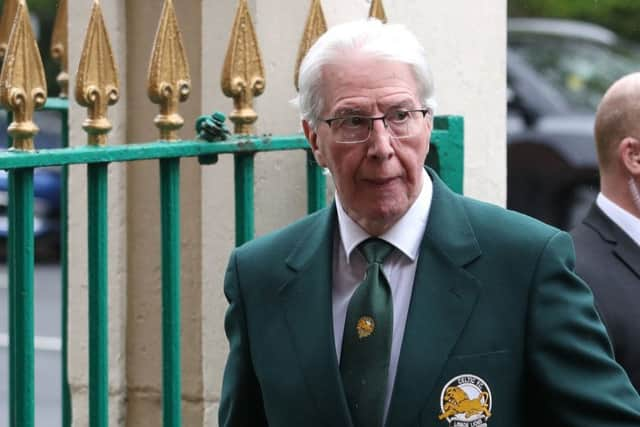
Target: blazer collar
<point>622,245</point>
<point>448,227</point>
<point>442,287</point>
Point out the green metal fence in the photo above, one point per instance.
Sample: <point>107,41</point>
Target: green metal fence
<point>169,84</point>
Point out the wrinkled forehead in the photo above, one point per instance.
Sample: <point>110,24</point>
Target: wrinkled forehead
<point>361,82</point>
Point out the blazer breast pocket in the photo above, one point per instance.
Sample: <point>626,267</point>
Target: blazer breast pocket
<point>488,355</point>
<point>477,389</point>
<point>488,364</point>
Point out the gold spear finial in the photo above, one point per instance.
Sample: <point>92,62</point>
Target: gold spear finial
<point>97,84</point>
<point>169,82</point>
<point>243,72</point>
<point>59,50</point>
<point>377,11</point>
<point>314,28</point>
<point>23,87</point>
<point>6,23</point>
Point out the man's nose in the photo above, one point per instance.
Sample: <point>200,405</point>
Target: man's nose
<point>380,140</point>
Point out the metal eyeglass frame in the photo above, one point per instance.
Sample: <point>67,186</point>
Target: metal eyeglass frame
<point>383,118</point>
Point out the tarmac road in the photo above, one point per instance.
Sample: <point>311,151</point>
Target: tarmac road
<point>47,311</point>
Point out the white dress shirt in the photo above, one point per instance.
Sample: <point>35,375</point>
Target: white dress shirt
<point>629,223</point>
<point>399,268</point>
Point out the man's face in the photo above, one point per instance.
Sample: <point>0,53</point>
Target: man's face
<point>377,180</point>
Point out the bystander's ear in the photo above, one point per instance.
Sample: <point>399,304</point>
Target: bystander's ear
<point>629,151</point>
<point>429,125</point>
<point>312,137</point>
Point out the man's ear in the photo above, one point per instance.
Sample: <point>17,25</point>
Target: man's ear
<point>429,125</point>
<point>629,151</point>
<point>312,137</point>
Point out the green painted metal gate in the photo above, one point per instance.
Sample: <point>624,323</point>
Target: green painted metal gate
<point>446,142</point>
<point>446,156</point>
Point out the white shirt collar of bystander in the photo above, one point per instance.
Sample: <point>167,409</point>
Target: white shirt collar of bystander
<point>629,223</point>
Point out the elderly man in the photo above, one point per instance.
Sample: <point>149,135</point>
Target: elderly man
<point>608,240</point>
<point>404,304</point>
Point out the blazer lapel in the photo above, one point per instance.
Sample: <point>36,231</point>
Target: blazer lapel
<point>306,300</point>
<point>623,246</point>
<point>444,295</point>
<point>629,252</point>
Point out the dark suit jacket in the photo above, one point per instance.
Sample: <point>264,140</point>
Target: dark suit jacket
<point>495,296</point>
<point>609,261</point>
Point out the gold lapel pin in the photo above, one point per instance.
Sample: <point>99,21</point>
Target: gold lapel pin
<point>365,326</point>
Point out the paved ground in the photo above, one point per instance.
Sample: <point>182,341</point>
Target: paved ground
<point>47,343</point>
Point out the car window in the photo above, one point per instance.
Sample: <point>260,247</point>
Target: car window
<point>581,70</point>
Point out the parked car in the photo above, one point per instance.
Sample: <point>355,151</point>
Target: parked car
<point>557,72</point>
<point>46,190</point>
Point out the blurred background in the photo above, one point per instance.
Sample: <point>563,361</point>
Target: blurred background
<point>43,14</point>
<point>562,56</point>
<point>620,16</point>
<point>46,180</point>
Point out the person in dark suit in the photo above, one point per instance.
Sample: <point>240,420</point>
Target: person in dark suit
<point>607,242</point>
<point>403,303</point>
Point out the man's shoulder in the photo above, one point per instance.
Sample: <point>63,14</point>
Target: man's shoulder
<point>457,221</point>
<point>585,236</point>
<point>500,222</point>
<point>487,220</point>
<point>602,247</point>
<point>593,232</point>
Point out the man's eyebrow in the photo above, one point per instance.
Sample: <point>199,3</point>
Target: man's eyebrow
<point>349,110</point>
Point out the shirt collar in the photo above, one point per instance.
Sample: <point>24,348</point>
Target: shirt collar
<point>405,235</point>
<point>625,220</point>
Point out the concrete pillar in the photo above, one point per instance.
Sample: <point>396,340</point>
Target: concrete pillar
<point>144,296</point>
<point>114,15</point>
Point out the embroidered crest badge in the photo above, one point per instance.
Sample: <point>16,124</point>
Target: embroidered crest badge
<point>466,401</point>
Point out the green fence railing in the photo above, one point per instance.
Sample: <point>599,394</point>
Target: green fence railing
<point>446,156</point>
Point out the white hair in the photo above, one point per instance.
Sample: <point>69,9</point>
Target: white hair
<point>392,42</point>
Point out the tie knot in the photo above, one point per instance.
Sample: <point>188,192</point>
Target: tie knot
<point>375,250</point>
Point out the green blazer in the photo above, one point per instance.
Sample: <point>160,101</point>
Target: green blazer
<point>496,311</point>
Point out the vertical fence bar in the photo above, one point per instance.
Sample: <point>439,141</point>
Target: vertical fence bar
<point>98,295</point>
<point>316,185</point>
<point>244,197</point>
<point>64,267</point>
<point>11,280</point>
<point>170,212</point>
<point>21,264</point>
<point>450,148</point>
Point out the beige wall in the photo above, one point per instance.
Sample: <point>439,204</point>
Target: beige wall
<point>469,68</point>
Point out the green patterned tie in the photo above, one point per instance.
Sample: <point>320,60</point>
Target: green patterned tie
<point>366,343</point>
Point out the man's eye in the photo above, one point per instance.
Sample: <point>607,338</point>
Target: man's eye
<point>398,116</point>
<point>354,121</point>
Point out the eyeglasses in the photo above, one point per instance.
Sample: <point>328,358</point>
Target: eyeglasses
<point>399,122</point>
